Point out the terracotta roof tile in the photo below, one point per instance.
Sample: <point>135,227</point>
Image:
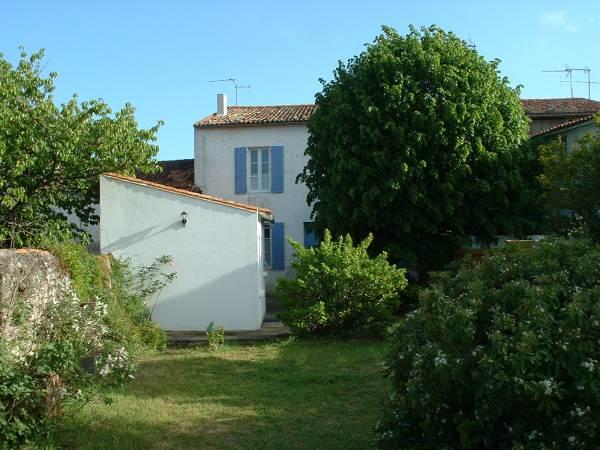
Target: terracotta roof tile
<point>177,173</point>
<point>535,107</point>
<point>564,125</point>
<point>187,193</point>
<point>252,115</point>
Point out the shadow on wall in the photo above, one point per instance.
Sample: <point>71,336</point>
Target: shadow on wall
<point>231,300</point>
<point>134,238</point>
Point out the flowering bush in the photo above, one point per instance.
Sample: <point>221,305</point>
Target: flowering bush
<point>501,354</point>
<point>41,351</point>
<point>339,288</point>
<point>67,332</point>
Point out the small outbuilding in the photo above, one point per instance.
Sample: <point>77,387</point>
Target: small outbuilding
<point>216,247</point>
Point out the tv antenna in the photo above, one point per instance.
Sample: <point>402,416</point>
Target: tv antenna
<point>569,74</point>
<point>235,85</point>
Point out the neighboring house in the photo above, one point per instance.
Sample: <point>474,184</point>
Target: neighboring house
<point>570,131</point>
<point>253,154</point>
<point>217,251</point>
<point>547,113</point>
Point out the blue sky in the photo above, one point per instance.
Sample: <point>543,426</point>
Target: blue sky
<point>160,55</point>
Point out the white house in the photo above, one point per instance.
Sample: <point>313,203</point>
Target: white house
<point>253,154</point>
<point>217,250</point>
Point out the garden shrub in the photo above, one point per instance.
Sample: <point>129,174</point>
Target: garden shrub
<point>124,288</point>
<point>339,288</point>
<point>501,354</point>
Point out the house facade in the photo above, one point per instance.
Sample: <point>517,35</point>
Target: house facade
<point>216,248</point>
<point>253,154</point>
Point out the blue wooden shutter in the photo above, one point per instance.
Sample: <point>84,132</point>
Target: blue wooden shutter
<point>277,246</point>
<point>310,237</point>
<point>277,169</point>
<point>240,170</point>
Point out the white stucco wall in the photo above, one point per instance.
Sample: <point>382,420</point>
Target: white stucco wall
<point>217,255</point>
<point>214,174</point>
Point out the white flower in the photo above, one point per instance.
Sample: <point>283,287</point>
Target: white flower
<point>440,359</point>
<point>589,364</point>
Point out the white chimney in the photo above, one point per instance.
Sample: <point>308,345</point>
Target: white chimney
<point>221,104</point>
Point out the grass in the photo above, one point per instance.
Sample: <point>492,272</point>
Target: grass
<point>289,394</point>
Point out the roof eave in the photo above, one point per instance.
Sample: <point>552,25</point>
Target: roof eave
<point>248,124</point>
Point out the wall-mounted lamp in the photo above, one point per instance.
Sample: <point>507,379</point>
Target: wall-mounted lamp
<point>184,218</point>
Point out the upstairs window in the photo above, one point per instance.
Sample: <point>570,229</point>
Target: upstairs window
<point>260,169</point>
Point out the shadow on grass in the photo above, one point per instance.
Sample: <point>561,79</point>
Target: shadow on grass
<point>294,394</point>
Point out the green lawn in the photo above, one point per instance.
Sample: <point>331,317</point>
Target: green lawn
<point>291,394</point>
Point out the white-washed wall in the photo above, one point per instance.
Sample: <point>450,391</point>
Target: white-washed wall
<point>216,255</point>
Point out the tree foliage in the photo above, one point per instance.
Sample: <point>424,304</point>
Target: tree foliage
<point>571,183</point>
<point>51,156</point>
<point>418,140</point>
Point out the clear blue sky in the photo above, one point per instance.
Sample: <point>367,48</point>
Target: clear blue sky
<point>160,55</point>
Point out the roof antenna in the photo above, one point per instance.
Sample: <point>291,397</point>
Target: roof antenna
<point>235,85</point>
<point>569,74</point>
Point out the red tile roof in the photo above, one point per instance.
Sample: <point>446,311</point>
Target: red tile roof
<point>536,107</point>
<point>252,115</point>
<point>178,173</point>
<point>208,198</point>
<point>564,125</point>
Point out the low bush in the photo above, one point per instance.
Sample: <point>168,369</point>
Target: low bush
<point>501,354</point>
<point>340,289</point>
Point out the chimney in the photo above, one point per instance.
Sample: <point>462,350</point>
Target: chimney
<point>221,104</point>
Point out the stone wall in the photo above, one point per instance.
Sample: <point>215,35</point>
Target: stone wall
<point>30,280</point>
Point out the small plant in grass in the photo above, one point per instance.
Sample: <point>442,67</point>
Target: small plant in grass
<point>215,336</point>
<point>340,289</point>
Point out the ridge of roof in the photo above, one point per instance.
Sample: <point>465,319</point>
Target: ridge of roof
<point>575,106</point>
<point>187,193</point>
<point>563,125</point>
<point>257,115</point>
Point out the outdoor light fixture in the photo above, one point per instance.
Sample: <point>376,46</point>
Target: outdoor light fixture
<point>183,218</point>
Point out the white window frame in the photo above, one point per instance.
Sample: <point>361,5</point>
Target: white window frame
<point>267,245</point>
<point>260,173</point>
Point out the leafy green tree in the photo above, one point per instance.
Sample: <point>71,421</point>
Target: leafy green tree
<point>571,183</point>
<point>418,140</point>
<point>51,156</point>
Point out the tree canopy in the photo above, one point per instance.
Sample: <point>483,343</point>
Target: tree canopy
<point>51,156</point>
<point>418,140</point>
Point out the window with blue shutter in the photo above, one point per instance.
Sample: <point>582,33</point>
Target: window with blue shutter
<point>277,246</point>
<point>240,170</point>
<point>310,237</point>
<point>277,169</point>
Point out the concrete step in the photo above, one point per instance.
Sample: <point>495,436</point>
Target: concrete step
<point>267,331</point>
